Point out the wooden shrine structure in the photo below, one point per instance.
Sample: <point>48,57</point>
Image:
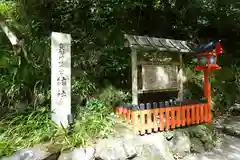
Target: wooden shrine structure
<point>156,65</point>
<point>164,73</point>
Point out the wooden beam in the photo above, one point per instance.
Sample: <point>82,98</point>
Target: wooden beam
<point>158,90</point>
<point>180,93</point>
<point>134,77</point>
<point>157,63</point>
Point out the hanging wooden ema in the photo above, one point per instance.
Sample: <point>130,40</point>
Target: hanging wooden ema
<point>207,56</point>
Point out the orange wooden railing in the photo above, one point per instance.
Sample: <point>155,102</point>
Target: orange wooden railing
<point>159,117</point>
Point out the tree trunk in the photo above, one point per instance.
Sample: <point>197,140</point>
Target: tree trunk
<point>11,36</point>
<point>18,45</point>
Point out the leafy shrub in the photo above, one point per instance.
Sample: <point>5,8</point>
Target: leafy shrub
<point>113,96</point>
<point>35,127</point>
<point>82,88</point>
<point>27,129</point>
<point>92,121</point>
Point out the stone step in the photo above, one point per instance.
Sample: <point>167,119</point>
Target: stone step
<point>235,110</point>
<point>230,126</point>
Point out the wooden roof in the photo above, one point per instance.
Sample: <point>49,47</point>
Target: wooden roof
<point>161,44</point>
<point>209,47</point>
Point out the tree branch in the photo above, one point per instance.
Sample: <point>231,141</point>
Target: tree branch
<point>18,45</point>
<point>11,36</point>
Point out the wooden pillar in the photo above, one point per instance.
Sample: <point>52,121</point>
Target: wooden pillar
<point>207,93</point>
<point>134,77</point>
<point>180,94</point>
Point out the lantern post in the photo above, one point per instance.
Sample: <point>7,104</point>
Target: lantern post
<point>207,61</point>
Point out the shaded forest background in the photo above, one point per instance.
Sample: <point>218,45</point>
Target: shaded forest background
<point>100,63</point>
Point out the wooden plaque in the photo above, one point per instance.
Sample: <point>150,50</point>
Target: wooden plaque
<point>160,77</point>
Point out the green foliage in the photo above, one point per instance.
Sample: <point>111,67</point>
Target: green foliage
<point>97,29</point>
<point>34,127</point>
<point>82,88</point>
<point>113,96</point>
<point>92,121</point>
<point>25,130</point>
<point>7,8</point>
<point>96,117</point>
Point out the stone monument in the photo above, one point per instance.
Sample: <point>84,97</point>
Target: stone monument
<point>60,77</point>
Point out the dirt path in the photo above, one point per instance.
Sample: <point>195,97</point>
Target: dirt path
<point>228,150</point>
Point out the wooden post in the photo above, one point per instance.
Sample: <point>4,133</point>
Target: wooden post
<point>134,77</point>
<point>129,111</point>
<point>197,113</point>
<point>193,114</point>
<point>209,104</point>
<point>60,78</point>
<point>173,118</point>
<point>168,121</point>
<point>180,94</point>
<point>135,121</point>
<point>188,109</point>
<point>178,117</point>
<point>207,94</point>
<point>143,125</point>
<point>183,115</point>
<point>162,119</point>
<point>155,116</point>
<point>202,115</point>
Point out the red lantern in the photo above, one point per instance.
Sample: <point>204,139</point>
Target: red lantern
<point>219,49</point>
<point>208,59</point>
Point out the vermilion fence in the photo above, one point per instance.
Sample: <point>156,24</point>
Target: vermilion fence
<point>154,117</point>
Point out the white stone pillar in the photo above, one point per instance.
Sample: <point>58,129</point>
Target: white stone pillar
<point>60,77</point>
